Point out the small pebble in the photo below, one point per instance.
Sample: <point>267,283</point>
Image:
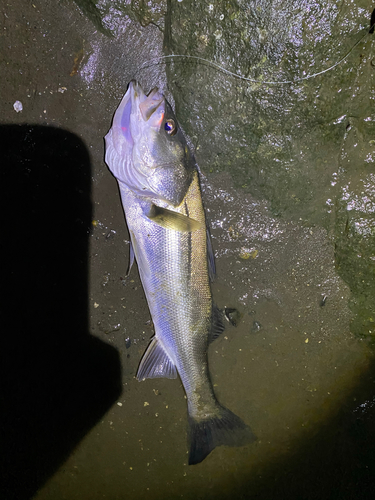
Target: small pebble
<point>256,326</point>
<point>232,315</point>
<point>17,106</point>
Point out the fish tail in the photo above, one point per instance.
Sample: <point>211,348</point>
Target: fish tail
<point>222,428</point>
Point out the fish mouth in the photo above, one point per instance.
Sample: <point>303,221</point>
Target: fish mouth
<point>150,108</point>
<point>136,111</point>
<point>135,129</point>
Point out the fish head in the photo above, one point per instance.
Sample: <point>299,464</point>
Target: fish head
<point>146,149</point>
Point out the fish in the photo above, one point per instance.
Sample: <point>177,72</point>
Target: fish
<point>160,190</point>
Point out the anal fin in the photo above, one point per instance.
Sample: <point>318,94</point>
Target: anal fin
<point>156,363</point>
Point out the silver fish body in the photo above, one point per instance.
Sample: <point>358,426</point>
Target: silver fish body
<point>161,196</point>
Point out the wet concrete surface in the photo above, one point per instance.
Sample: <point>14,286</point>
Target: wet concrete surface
<point>76,424</point>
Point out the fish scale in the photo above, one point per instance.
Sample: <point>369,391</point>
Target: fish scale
<point>161,197</point>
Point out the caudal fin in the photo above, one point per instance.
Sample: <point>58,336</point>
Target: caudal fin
<point>224,428</point>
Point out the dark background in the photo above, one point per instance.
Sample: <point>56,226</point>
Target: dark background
<point>56,380</point>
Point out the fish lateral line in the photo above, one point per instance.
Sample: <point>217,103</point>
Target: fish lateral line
<point>172,266</point>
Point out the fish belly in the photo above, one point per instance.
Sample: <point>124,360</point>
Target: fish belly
<point>173,268</point>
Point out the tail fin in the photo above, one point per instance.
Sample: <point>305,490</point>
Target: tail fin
<point>223,428</point>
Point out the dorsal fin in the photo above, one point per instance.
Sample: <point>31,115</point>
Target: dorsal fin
<point>210,256</point>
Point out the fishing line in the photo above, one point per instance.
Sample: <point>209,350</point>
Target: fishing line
<point>157,60</point>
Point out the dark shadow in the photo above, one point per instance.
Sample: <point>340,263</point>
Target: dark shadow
<point>56,380</point>
<point>336,462</point>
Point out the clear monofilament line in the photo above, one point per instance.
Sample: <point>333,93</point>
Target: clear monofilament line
<point>161,59</point>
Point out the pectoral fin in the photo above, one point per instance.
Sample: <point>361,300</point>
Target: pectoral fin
<point>173,220</point>
<point>143,265</point>
<point>156,363</point>
<point>131,259</point>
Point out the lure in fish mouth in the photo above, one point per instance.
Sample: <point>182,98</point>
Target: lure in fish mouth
<point>159,185</point>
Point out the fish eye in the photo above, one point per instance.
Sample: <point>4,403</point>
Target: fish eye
<point>170,127</point>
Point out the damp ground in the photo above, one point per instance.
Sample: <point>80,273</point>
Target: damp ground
<point>288,183</point>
